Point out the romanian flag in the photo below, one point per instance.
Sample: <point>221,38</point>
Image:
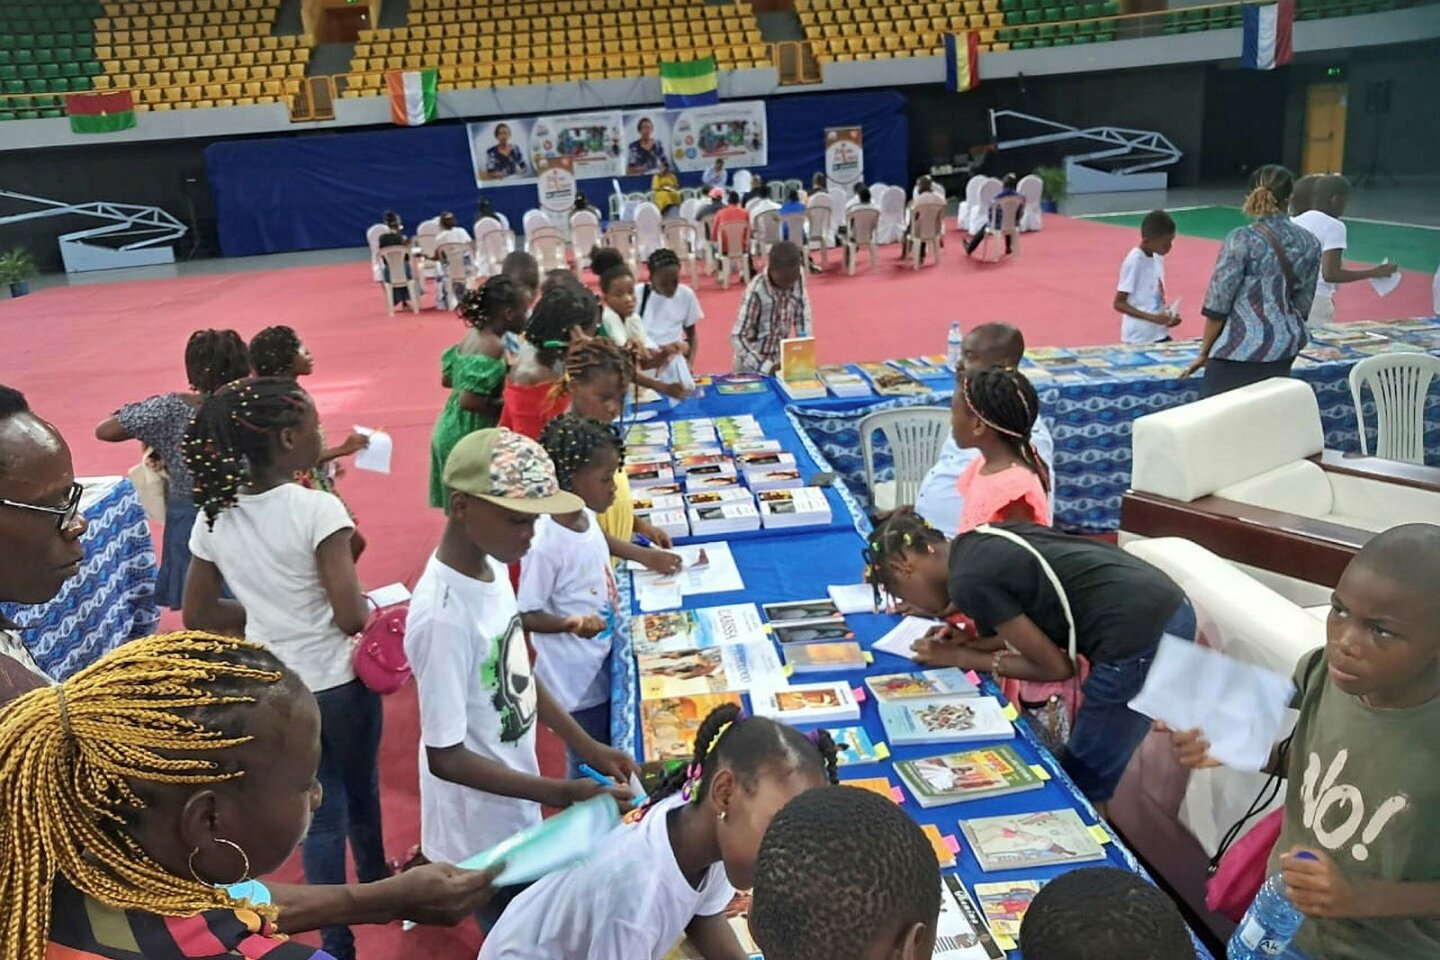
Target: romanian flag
<point>689,83</point>
<point>100,112</point>
<point>962,61</point>
<point>412,96</point>
<point>1265,40</point>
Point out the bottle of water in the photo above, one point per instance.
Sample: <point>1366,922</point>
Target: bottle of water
<point>1269,924</point>
<point>954,346</point>
<point>1435,292</point>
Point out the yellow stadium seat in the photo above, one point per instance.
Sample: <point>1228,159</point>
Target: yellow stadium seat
<point>995,19</point>
<point>141,79</point>
<point>102,82</point>
<point>220,74</point>
<point>161,79</point>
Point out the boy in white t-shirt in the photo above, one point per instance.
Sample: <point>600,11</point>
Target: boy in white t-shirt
<point>1331,193</point>
<point>480,779</point>
<point>567,594</point>
<point>1140,294</point>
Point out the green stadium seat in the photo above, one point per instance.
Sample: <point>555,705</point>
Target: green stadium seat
<point>27,115</point>
<point>70,69</point>
<point>1048,30</point>
<point>1088,28</point>
<point>1070,13</point>
<point>62,55</point>
<point>37,86</point>
<point>1063,41</point>
<point>1085,38</point>
<point>1033,16</point>
<point>1112,8</point>
<point>28,71</point>
<point>92,68</point>
<point>81,83</point>
<point>49,70</point>
<point>51,114</point>
<point>62,85</point>
<point>14,86</point>
<point>1094,9</point>
<point>6,115</point>
<point>1020,45</point>
<point>24,56</point>
<point>1052,14</point>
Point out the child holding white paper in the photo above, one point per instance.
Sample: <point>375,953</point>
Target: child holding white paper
<point>1331,194</point>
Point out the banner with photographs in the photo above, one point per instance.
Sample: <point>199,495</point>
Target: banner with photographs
<point>513,151</point>
<point>844,156</point>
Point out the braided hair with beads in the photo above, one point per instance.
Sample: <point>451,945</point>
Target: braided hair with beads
<point>273,351</point>
<point>231,435</point>
<point>80,762</point>
<point>572,441</point>
<point>550,329</point>
<point>596,357</point>
<point>902,533</point>
<point>750,747</point>
<point>1005,401</point>
<point>214,358</point>
<point>482,307</point>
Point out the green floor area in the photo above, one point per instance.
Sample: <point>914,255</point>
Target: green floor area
<point>1414,248</point>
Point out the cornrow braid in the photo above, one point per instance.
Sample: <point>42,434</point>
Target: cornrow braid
<point>889,542</point>
<point>481,306</point>
<point>214,358</point>
<point>662,257</point>
<point>1005,401</point>
<point>552,323</point>
<point>273,351</point>
<point>597,356</point>
<point>76,759</point>
<point>231,434</point>
<point>572,442</point>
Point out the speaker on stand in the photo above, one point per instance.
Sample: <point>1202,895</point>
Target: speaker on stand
<point>189,186</point>
<point>1377,105</point>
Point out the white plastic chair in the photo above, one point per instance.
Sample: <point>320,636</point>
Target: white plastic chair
<point>425,235</point>
<point>547,245</point>
<point>821,223</point>
<point>683,237</point>
<point>688,207</point>
<point>584,236</point>
<point>980,210</point>
<point>372,237</point>
<point>860,232</point>
<point>972,193</point>
<point>765,232</point>
<point>454,274</point>
<point>793,227</point>
<point>621,236</point>
<point>730,250</point>
<point>1004,230</point>
<point>916,436</point>
<point>1032,188</point>
<point>492,247</point>
<point>1399,383</point>
<point>534,220</point>
<point>891,201</point>
<point>927,227</point>
<point>741,181</point>
<point>839,196</point>
<point>648,237</point>
<point>394,259</point>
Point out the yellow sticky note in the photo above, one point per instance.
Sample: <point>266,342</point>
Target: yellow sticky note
<point>789,670</point>
<point>882,752</point>
<point>1011,713</point>
<point>869,657</point>
<point>1039,770</point>
<point>1004,942</point>
<point>768,628</point>
<point>1100,834</point>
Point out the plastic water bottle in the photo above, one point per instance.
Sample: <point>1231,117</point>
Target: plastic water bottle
<point>955,346</point>
<point>1435,292</point>
<point>1269,924</point>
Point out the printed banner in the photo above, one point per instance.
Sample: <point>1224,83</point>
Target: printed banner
<point>500,152</point>
<point>556,184</point>
<point>735,131</point>
<point>844,156</point>
<point>591,141</point>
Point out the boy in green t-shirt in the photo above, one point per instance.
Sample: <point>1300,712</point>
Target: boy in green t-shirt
<point>1364,765</point>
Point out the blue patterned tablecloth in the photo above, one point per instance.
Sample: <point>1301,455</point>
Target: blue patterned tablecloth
<point>112,598</point>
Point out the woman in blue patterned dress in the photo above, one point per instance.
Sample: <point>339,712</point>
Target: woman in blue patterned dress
<point>646,155</point>
<point>504,159</point>
<point>213,358</point>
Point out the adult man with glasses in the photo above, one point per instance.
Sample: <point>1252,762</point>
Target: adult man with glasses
<point>40,528</point>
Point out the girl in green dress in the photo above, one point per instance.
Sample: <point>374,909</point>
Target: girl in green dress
<point>474,369</point>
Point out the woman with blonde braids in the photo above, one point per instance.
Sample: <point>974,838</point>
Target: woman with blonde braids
<point>1261,291</point>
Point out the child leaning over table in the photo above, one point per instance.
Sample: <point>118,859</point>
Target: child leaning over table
<point>1363,768</point>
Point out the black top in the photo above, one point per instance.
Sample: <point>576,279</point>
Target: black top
<point>1121,603</point>
<point>392,239</point>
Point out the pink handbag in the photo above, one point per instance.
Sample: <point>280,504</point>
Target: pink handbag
<point>1232,888</point>
<point>380,660</point>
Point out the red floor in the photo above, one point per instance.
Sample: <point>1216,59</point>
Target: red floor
<point>79,352</point>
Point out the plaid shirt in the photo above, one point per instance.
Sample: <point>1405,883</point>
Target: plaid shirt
<point>767,316</point>
<point>1263,321</point>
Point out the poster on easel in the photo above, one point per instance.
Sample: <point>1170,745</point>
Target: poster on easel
<point>555,184</point>
<point>844,156</point>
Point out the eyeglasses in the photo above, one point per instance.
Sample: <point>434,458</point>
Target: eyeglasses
<point>64,515</point>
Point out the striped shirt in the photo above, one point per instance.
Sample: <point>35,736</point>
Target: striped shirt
<point>1263,320</point>
<point>767,316</point>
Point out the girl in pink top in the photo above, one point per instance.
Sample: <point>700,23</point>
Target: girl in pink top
<point>993,412</point>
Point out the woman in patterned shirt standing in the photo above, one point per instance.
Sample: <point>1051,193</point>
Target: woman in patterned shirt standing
<point>1260,292</point>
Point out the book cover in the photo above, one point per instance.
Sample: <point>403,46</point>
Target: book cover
<point>943,853</point>
<point>803,389</point>
<point>737,914</point>
<point>647,504</point>
<point>936,781</point>
<point>801,611</point>
<point>1005,904</point>
<point>853,746</point>
<point>960,932</point>
<point>807,703</point>
<point>926,684</point>
<point>740,383</point>
<point>823,657</point>
<point>668,726</point>
<point>824,631</point>
<point>1031,840</point>
<point>706,498</point>
<point>892,382</point>
<point>797,359</point>
<point>697,629</point>
<point>949,720</point>
<point>684,673</point>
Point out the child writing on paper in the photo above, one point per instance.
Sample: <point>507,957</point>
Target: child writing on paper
<point>994,411</point>
<point>1140,294</point>
<point>675,863</point>
<point>1363,765</point>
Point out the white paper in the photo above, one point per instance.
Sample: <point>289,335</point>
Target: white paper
<point>1240,707</point>
<point>1174,308</point>
<point>707,568</point>
<point>375,457</point>
<point>1384,286</point>
<point>389,595</point>
<point>655,597</point>
<point>855,597</point>
<point>899,640</point>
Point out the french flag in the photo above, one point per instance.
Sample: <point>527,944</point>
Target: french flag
<point>1267,43</point>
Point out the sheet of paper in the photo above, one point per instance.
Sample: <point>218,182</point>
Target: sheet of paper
<point>899,640</point>
<point>1384,286</point>
<point>655,597</point>
<point>1174,308</point>
<point>708,568</point>
<point>853,597</point>
<point>1239,706</point>
<point>375,457</point>
<point>389,595</point>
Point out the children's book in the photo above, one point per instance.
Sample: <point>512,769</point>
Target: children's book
<point>697,629</point>
<point>891,382</point>
<point>668,726</point>
<point>994,771</point>
<point>801,611</point>
<point>741,383</point>
<point>922,369</point>
<point>802,389</point>
<point>807,703</point>
<point>943,853</point>
<point>853,746</point>
<point>684,673</point>
<point>825,657</point>
<point>1017,841</point>
<point>923,684</point>
<point>794,507</point>
<point>960,932</point>
<point>1005,904</point>
<point>844,382</point>
<point>819,631</point>
<point>949,720</point>
<point>737,914</point>
<point>797,359</point>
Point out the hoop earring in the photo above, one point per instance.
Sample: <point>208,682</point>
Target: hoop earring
<point>244,857</point>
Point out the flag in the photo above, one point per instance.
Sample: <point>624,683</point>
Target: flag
<point>1266,43</point>
<point>962,61</point>
<point>100,112</point>
<point>412,96</point>
<point>689,83</point>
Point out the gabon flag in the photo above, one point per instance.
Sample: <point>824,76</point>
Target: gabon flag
<point>412,96</point>
<point>962,61</point>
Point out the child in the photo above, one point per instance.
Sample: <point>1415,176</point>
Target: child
<point>474,370</point>
<point>994,411</point>
<point>596,375</point>
<point>1363,766</point>
<point>567,590</point>
<point>775,307</point>
<point>1140,294</point>
<point>285,552</point>
<point>1103,913</point>
<point>524,269</point>
<point>530,397</point>
<point>621,324</point>
<point>676,862</point>
<point>480,780</point>
<point>669,309</point>
<point>813,858</point>
<point>1329,197</point>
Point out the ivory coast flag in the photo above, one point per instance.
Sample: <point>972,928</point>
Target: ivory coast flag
<point>962,61</point>
<point>412,96</point>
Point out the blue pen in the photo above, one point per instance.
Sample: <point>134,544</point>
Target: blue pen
<point>596,775</point>
<point>643,540</point>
